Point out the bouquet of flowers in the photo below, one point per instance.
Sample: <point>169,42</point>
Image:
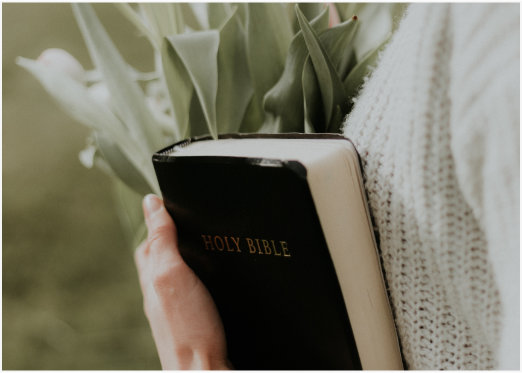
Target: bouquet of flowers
<point>219,68</point>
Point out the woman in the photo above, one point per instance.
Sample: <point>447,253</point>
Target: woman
<point>437,127</point>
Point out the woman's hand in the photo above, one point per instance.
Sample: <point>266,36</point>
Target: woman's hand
<point>185,324</point>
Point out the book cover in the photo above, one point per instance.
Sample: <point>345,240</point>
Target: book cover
<point>249,228</point>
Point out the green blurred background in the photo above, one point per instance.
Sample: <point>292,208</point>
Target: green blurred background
<point>71,298</point>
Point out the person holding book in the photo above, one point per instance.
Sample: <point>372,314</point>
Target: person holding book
<point>185,324</point>
<point>437,129</point>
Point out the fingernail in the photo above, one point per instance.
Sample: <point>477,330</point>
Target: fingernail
<point>152,203</point>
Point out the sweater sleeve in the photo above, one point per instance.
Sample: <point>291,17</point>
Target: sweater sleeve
<point>485,133</point>
<point>437,128</point>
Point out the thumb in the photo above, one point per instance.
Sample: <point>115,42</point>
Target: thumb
<point>162,235</point>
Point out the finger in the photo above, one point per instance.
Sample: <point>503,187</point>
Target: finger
<point>162,236</point>
<point>139,255</point>
<point>141,263</point>
<point>145,275</point>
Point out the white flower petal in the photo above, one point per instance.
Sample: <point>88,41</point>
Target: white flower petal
<point>63,61</point>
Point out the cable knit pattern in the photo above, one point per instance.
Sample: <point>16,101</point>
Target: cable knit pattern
<point>437,128</point>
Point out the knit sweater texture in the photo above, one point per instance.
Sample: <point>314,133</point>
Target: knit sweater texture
<point>437,126</point>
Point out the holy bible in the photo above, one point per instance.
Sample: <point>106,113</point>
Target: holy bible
<point>277,228</point>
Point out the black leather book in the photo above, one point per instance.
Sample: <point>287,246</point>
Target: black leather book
<point>277,228</point>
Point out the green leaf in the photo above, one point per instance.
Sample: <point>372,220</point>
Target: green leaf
<point>198,52</point>
<point>253,118</point>
<point>234,88</point>
<point>189,17</point>
<point>75,100</point>
<point>284,102</point>
<point>337,118</point>
<point>130,212</point>
<point>198,124</point>
<point>338,44</point>
<point>120,165</point>
<point>377,22</point>
<point>312,104</point>
<point>176,79</point>
<point>128,98</point>
<point>164,18</point>
<point>218,14</point>
<point>234,84</point>
<point>138,21</point>
<point>355,78</point>
<point>242,13</point>
<point>310,11</point>
<point>268,38</point>
<point>331,87</point>
<point>347,10</point>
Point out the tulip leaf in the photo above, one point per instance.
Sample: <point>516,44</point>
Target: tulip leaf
<point>130,212</point>
<point>120,165</point>
<point>218,14</point>
<point>310,11</point>
<point>347,10</point>
<point>128,98</point>
<point>198,52</point>
<point>284,102</point>
<point>234,84</point>
<point>312,105</point>
<point>189,16</point>
<point>253,118</point>
<point>139,22</point>
<point>377,21</point>
<point>164,18</point>
<point>242,13</point>
<point>338,44</point>
<point>74,99</point>
<point>198,125</point>
<point>179,87</point>
<point>331,86</point>
<point>268,37</point>
<point>353,82</point>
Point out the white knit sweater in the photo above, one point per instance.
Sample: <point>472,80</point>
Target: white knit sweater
<point>437,128</point>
